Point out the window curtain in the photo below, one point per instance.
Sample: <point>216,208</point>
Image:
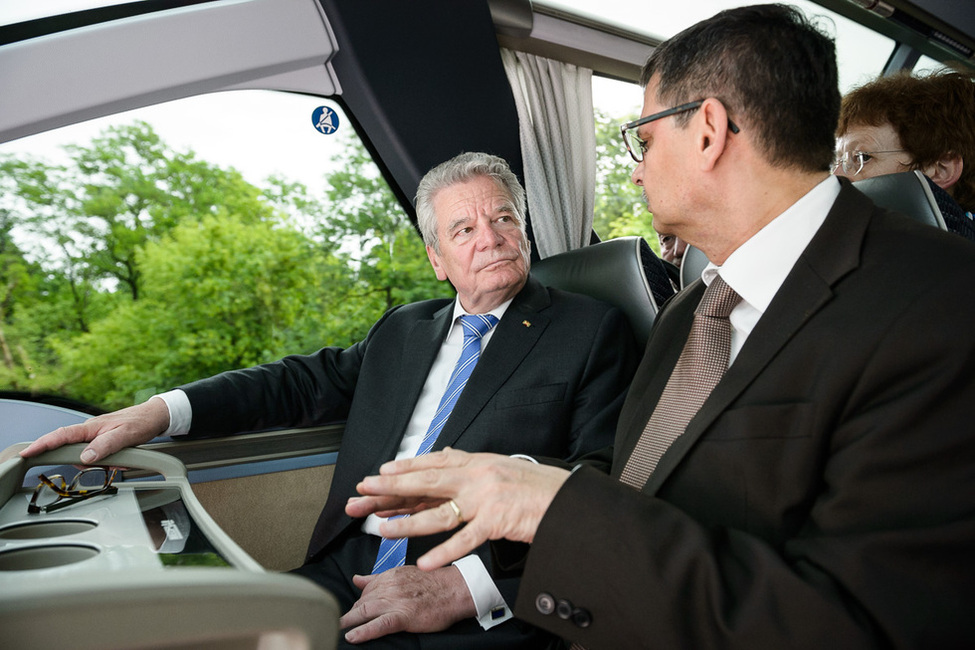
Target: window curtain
<point>558,147</point>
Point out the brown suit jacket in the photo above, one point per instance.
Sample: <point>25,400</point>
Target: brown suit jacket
<point>823,497</point>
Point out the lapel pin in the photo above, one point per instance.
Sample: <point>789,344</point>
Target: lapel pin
<point>526,323</point>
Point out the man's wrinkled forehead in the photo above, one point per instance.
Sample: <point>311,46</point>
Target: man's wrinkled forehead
<point>469,198</point>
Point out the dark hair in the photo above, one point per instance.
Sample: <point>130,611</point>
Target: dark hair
<point>933,115</point>
<point>774,71</point>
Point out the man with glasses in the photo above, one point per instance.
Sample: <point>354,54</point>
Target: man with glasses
<point>510,366</point>
<point>904,122</point>
<point>793,463</point>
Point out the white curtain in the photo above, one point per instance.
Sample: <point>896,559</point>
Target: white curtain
<point>558,148</point>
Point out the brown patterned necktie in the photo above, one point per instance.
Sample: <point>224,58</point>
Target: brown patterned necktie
<point>700,366</point>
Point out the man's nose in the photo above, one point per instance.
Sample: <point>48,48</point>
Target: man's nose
<point>635,178</point>
<point>488,236</point>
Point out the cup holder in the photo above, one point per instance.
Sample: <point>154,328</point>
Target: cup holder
<point>46,529</point>
<point>44,557</point>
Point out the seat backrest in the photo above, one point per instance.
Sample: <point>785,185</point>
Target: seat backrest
<point>906,192</point>
<point>622,272</point>
<point>692,265</point>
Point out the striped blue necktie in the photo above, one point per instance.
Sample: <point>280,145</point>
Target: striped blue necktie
<point>392,552</point>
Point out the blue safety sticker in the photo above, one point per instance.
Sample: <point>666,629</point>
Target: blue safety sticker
<point>325,120</point>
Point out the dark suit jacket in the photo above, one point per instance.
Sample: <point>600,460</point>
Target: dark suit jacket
<point>551,382</point>
<point>823,497</point>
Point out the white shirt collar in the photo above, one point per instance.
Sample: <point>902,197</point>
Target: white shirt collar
<point>497,311</point>
<point>757,269</point>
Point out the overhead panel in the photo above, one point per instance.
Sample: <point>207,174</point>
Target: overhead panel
<point>77,74</point>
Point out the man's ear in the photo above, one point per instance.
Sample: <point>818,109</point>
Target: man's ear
<point>946,171</point>
<point>435,263</point>
<point>713,134</point>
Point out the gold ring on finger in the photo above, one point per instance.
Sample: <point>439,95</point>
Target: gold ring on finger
<point>456,508</point>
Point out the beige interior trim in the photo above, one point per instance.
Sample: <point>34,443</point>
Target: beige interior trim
<point>271,516</point>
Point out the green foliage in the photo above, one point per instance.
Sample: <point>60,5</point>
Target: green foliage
<point>394,268</point>
<point>219,294</point>
<point>16,285</point>
<point>620,209</point>
<point>125,189</point>
<point>147,268</point>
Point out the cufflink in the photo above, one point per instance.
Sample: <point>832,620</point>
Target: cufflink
<point>496,613</point>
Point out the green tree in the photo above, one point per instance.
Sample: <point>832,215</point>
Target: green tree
<point>620,208</point>
<point>124,189</point>
<point>152,268</point>
<point>33,304</point>
<point>219,294</point>
<point>365,216</point>
<point>15,281</point>
<point>36,198</point>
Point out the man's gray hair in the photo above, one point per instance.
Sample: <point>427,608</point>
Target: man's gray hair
<point>460,169</point>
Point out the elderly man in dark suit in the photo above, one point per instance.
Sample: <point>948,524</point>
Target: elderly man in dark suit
<point>550,370</point>
<point>818,491</point>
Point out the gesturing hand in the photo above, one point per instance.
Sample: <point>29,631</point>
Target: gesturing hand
<point>497,497</point>
<point>406,599</point>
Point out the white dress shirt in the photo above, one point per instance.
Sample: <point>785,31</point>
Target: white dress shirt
<point>490,605</point>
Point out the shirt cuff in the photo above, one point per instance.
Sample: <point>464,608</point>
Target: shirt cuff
<point>180,412</point>
<point>490,605</point>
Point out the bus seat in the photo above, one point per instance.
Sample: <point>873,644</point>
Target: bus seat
<point>692,265</point>
<point>906,192</point>
<point>622,272</point>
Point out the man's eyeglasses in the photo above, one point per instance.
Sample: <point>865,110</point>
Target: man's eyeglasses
<point>54,493</point>
<point>637,147</point>
<point>852,163</point>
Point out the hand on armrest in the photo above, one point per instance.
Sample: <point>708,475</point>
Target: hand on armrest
<point>108,433</point>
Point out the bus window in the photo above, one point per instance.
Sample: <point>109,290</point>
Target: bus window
<point>927,64</point>
<point>861,52</point>
<point>158,246</point>
<point>619,208</point>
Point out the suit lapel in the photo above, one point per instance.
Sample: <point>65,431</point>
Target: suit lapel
<point>509,345</point>
<point>832,253</point>
<point>420,349</point>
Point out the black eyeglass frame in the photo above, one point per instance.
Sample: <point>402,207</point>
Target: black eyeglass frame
<point>69,494</point>
<point>635,124</point>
